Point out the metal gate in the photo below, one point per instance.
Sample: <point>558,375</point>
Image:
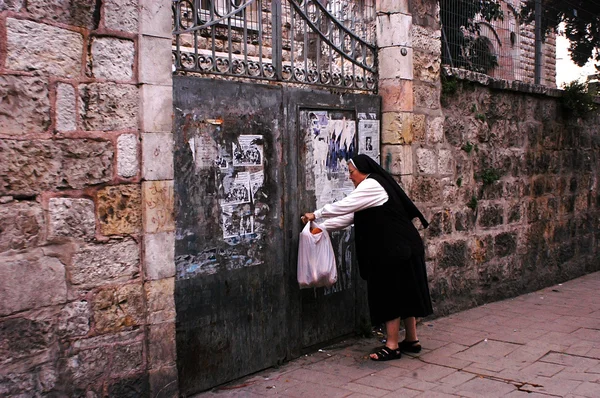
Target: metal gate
<point>243,177</point>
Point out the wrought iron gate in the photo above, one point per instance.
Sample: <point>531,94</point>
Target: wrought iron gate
<point>317,42</point>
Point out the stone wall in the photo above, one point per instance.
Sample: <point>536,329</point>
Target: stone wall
<point>86,244</point>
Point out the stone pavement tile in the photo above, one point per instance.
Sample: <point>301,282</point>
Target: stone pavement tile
<point>592,335</point>
<point>403,392</point>
<point>436,394</point>
<point>594,352</point>
<point>432,343</point>
<point>542,369</point>
<point>594,369</point>
<point>557,325</point>
<point>578,376</point>
<point>447,361</point>
<point>516,336</point>
<point>333,367</point>
<point>365,390</point>
<point>487,351</point>
<point>557,341</point>
<point>311,390</point>
<point>456,379</point>
<point>393,371</point>
<point>460,336</point>
<point>581,321</point>
<point>382,382</point>
<point>582,348</point>
<point>595,314</point>
<point>587,389</point>
<point>312,376</point>
<point>420,385</point>
<point>527,354</point>
<point>430,372</point>
<point>572,361</point>
<point>408,362</point>
<point>483,387</point>
<point>551,386</point>
<point>524,394</point>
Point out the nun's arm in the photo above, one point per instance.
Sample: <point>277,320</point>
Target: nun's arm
<point>337,223</point>
<point>369,193</point>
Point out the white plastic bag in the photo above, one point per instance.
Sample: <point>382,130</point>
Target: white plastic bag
<point>316,260</point>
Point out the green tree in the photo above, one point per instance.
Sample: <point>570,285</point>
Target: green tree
<point>582,25</point>
<point>462,45</point>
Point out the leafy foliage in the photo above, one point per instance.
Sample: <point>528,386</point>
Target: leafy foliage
<point>463,46</point>
<point>576,100</point>
<point>582,24</point>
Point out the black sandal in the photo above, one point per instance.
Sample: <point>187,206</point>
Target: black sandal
<point>410,346</point>
<point>386,354</point>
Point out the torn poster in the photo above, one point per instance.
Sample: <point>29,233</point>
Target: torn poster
<point>203,146</point>
<point>237,221</point>
<point>368,138</point>
<point>236,189</point>
<point>248,150</point>
<point>256,182</point>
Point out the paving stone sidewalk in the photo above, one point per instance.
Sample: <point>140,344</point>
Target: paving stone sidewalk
<point>542,344</point>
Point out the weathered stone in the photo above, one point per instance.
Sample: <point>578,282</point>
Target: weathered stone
<point>157,108</point>
<point>483,249</point>
<point>453,254</point>
<point>32,46</point>
<point>11,5</point>
<point>505,244</point>
<point>491,215</point>
<point>131,387</point>
<point>29,280</point>
<point>396,94</point>
<point>163,380</point>
<point>397,128</point>
<point>96,265</point>
<point>127,358</point>
<point>515,213</point>
<point>117,308</point>
<point>427,67</point>
<point>418,128</point>
<point>398,159</point>
<point>160,298</point>
<point>426,189</point>
<point>159,255</point>
<point>445,162</point>
<point>26,336</point>
<point>119,209</point>
<point>435,130</point>
<point>108,106</point>
<point>88,366</point>
<point>17,385</point>
<point>155,60</point>
<point>45,165</point>
<point>426,40</point>
<point>74,319</point>
<point>394,65</point>
<point>464,221</point>
<point>70,217</point>
<point>439,224</point>
<point>427,161</point>
<point>157,156</point>
<point>158,207</point>
<point>75,13</point>
<point>128,337</point>
<point>156,18</point>
<point>21,225</point>
<point>112,58</point>
<point>393,6</point>
<point>426,96</point>
<point>25,105</point>
<point>394,29</point>
<point>127,155</point>
<point>121,15</point>
<point>65,108</point>
<point>161,344</point>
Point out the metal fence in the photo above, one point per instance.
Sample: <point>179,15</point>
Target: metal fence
<point>490,37</point>
<point>316,42</point>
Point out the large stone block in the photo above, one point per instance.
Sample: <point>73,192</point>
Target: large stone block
<point>164,382</point>
<point>394,30</point>
<point>156,18</point>
<point>392,6</point>
<point>427,97</point>
<point>491,215</point>
<point>157,156</point>
<point>75,12</point>
<point>108,106</point>
<point>397,128</point>
<point>66,114</point>
<point>157,108</point>
<point>120,209</point>
<point>127,155</point>
<point>30,280</point>
<point>25,105</point>
<point>21,225</point>
<point>11,5</point>
<point>396,63</point>
<point>86,367</point>
<point>159,255</point>
<point>427,67</point>
<point>398,159</point>
<point>121,15</point>
<point>74,319</point>
<point>108,263</point>
<point>426,40</point>
<point>155,60</point>
<point>445,162</point>
<point>158,206</point>
<point>71,217</point>
<point>161,345</point>
<point>435,130</point>
<point>453,254</point>
<point>118,308</point>
<point>112,58</point>
<point>30,167</point>
<point>31,46</point>
<point>396,95</point>
<point>127,358</point>
<point>427,161</point>
<point>160,297</point>
<point>27,336</point>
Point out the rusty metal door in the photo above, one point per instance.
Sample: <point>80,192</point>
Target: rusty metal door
<point>240,182</point>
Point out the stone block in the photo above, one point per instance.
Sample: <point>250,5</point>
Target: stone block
<point>47,165</point>
<point>72,218</point>
<point>155,60</point>
<point>118,308</point>
<point>157,199</point>
<point>426,40</point>
<point>491,215</point>
<point>394,30</point>
<point>445,162</point>
<point>11,5</point>
<point>159,255</point>
<point>157,156</point>
<point>31,46</point>
<point>127,358</point>
<point>156,18</point>
<point>164,382</point>
<point>505,244</point>
<point>29,280</point>
<point>464,221</point>
<point>453,254</point>
<point>397,128</point>
<point>127,155</point>
<point>86,367</point>
<point>418,128</point>
<point>426,189</point>
<point>427,161</point>
<point>399,159</point>
<point>394,65</point>
<point>18,385</point>
<point>75,13</point>
<point>108,263</point>
<point>121,15</point>
<point>392,6</point>
<point>119,209</point>
<point>135,385</point>
<point>65,108</point>
<point>25,105</point>
<point>157,108</point>
<point>108,106</point>
<point>74,319</point>
<point>160,297</point>
<point>26,336</point>
<point>396,95</point>
<point>161,345</point>
<point>427,97</point>
<point>112,58</point>
<point>427,66</point>
<point>21,225</point>
<point>435,130</point>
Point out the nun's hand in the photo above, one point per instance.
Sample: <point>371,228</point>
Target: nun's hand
<point>308,217</point>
